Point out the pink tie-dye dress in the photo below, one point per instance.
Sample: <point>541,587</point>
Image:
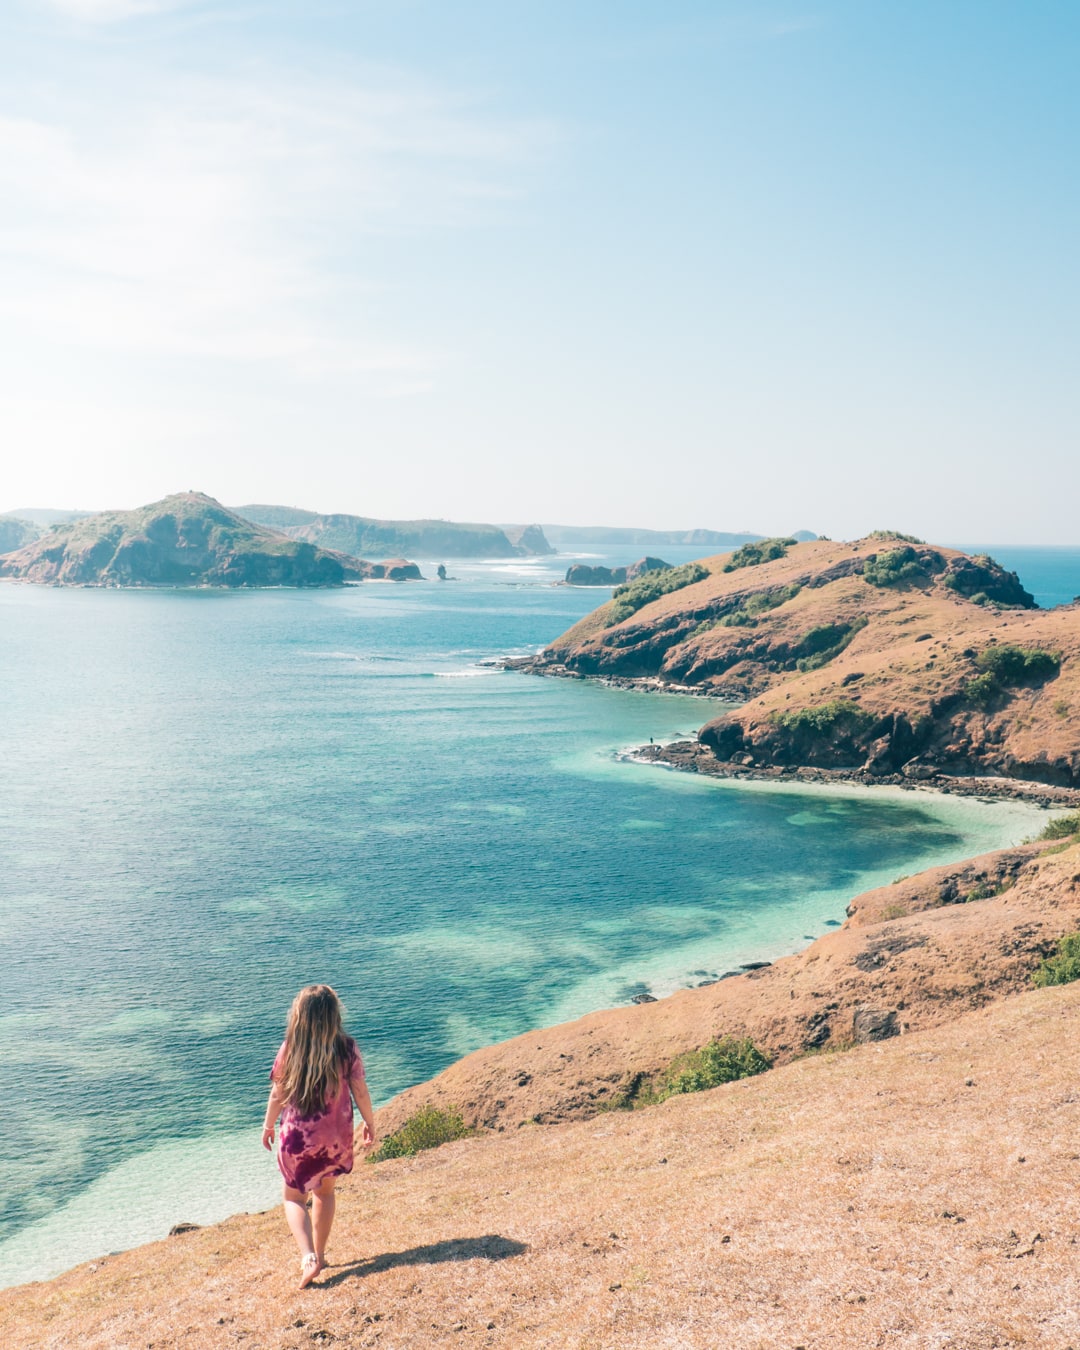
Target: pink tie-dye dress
<point>312,1148</point>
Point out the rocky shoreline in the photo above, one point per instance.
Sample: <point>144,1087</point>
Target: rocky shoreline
<point>693,757</point>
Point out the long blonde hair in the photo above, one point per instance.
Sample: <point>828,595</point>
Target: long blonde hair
<point>317,1050</point>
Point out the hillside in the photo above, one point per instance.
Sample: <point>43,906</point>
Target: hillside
<point>883,657</point>
<point>887,1195</point>
<point>184,540</point>
<point>364,535</point>
<point>16,532</point>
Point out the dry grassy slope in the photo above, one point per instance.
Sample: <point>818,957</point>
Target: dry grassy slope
<point>918,1193</point>
<point>907,667</point>
<point>913,955</point>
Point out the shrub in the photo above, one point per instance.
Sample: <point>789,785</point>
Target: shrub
<point>827,641</point>
<point>981,689</point>
<point>746,614</point>
<point>1063,827</point>
<point>1018,665</point>
<point>896,565</point>
<point>824,719</point>
<point>1062,968</point>
<point>895,534</point>
<point>428,1128</point>
<point>723,1060</point>
<point>760,551</point>
<point>650,586</point>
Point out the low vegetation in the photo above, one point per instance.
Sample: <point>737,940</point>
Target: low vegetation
<point>748,612</point>
<point>650,586</point>
<point>839,714</point>
<point>721,1061</point>
<point>1062,968</point>
<point>893,534</point>
<point>428,1128</point>
<point>822,644</point>
<point>1005,666</point>
<point>1062,827</point>
<point>894,566</point>
<point>760,551</point>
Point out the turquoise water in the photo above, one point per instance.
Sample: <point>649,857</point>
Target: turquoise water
<point>211,799</point>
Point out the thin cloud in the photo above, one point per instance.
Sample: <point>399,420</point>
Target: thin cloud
<point>233,220</point>
<point>110,11</point>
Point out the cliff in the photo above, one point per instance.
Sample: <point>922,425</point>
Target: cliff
<point>359,535</point>
<point>184,540</point>
<point>915,1185</point>
<point>884,657</point>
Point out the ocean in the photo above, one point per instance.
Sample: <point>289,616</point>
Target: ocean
<point>210,799</point>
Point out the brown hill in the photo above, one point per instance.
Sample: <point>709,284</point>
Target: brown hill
<point>884,656</point>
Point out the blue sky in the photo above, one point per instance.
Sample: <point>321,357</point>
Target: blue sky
<point>752,265</point>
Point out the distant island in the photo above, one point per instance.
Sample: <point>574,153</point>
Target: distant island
<point>360,535</point>
<point>187,539</point>
<point>572,538</point>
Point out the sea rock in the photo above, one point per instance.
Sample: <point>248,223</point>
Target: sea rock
<point>581,574</point>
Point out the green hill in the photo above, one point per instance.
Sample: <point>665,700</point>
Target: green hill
<point>187,539</point>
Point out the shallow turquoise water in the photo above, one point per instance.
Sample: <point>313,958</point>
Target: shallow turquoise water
<point>209,800</point>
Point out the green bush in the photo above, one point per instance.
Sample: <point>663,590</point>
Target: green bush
<point>760,551</point>
<point>428,1128</point>
<point>1062,968</point>
<point>650,586</point>
<point>895,534</point>
<point>981,689</point>
<point>825,642</point>
<point>1064,827</point>
<point>1007,665</point>
<point>746,616</point>
<point>723,1060</point>
<point>1018,665</point>
<point>897,565</point>
<point>824,719</point>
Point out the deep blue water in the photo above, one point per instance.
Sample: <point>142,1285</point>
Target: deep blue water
<point>212,799</point>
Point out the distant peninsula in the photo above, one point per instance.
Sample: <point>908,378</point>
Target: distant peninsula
<point>885,659</point>
<point>187,539</point>
<point>360,535</point>
<point>570,538</point>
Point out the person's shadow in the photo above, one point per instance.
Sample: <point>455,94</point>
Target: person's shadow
<point>491,1247</point>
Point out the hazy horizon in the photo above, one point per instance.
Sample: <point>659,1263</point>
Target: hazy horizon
<point>706,265</point>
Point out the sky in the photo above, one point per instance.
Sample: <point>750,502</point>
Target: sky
<point>755,265</point>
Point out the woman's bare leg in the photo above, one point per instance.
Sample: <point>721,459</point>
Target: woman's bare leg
<point>323,1204</point>
<point>299,1221</point>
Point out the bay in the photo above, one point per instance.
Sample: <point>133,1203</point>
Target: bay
<point>211,799</point>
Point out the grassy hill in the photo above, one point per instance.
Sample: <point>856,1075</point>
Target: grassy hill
<point>885,656</point>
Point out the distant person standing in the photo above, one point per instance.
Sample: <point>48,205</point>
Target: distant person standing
<point>317,1075</point>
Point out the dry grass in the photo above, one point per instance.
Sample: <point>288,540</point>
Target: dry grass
<point>919,1193</point>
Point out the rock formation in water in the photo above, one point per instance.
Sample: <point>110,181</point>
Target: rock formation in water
<point>581,574</point>
<point>187,539</point>
<point>885,656</point>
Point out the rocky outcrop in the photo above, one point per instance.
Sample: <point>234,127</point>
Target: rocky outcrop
<point>581,574</point>
<point>528,540</point>
<point>397,569</point>
<point>185,540</point>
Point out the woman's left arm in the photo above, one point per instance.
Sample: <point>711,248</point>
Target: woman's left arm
<point>273,1110</point>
